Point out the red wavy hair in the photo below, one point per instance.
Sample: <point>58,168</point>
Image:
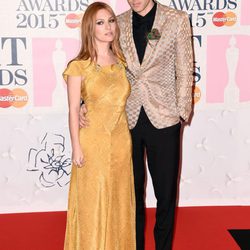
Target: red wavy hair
<point>88,48</point>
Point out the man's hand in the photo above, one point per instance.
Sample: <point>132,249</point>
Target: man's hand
<point>82,117</point>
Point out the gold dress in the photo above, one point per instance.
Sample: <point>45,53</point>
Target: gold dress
<point>101,209</point>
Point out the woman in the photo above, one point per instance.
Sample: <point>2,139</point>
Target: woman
<point>101,213</point>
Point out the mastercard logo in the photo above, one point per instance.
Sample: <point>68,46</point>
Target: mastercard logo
<point>73,20</point>
<point>196,94</point>
<point>224,19</point>
<point>13,98</point>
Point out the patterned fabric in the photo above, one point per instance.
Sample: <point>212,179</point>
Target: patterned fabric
<point>162,84</point>
<point>101,210</point>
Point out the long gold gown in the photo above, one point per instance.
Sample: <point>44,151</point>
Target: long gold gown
<point>101,209</point>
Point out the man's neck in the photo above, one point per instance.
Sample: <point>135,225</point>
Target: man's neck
<point>147,9</point>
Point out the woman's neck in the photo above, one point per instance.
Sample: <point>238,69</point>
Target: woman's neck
<point>103,50</point>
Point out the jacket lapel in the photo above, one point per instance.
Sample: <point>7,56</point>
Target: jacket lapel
<point>130,41</point>
<point>160,20</point>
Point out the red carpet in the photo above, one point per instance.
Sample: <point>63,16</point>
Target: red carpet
<point>197,228</point>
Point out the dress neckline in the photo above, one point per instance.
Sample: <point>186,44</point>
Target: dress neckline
<point>109,66</point>
<point>117,62</point>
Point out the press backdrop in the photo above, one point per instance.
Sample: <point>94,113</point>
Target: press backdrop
<point>39,37</point>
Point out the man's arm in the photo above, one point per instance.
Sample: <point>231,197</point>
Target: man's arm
<point>82,118</point>
<point>184,68</point>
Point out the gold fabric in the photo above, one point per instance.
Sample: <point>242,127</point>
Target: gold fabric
<point>101,210</point>
<point>162,84</point>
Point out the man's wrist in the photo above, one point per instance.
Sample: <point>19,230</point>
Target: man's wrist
<point>181,120</point>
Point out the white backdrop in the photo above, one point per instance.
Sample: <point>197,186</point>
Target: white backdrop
<point>37,39</point>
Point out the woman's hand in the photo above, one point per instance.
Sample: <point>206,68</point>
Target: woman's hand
<point>77,157</point>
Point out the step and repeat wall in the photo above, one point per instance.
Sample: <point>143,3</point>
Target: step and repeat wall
<point>39,37</point>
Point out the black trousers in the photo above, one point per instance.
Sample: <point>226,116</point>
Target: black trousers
<point>162,147</point>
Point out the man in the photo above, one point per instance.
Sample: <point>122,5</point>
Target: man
<point>156,42</point>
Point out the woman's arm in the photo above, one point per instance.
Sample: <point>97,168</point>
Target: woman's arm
<point>74,96</point>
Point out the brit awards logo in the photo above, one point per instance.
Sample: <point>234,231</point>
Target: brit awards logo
<point>200,12</point>
<point>50,57</point>
<point>44,14</point>
<point>231,88</point>
<point>13,74</point>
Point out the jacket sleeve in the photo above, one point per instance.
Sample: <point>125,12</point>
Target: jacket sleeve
<point>184,68</point>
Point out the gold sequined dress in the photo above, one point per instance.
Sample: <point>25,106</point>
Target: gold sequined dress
<point>101,209</point>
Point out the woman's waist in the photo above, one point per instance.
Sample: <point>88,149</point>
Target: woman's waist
<point>103,113</point>
<point>106,102</point>
<point>105,108</point>
<point>105,121</point>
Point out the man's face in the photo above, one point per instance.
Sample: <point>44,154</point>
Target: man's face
<point>142,7</point>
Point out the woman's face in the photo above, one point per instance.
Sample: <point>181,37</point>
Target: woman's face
<point>105,26</point>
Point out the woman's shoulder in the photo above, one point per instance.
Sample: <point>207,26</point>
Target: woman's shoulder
<point>76,68</point>
<point>79,63</point>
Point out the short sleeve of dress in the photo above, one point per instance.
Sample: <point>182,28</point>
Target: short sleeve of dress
<point>75,68</point>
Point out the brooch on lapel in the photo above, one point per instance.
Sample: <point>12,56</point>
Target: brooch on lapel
<point>154,35</point>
